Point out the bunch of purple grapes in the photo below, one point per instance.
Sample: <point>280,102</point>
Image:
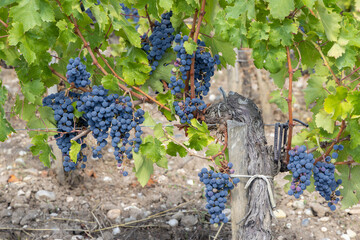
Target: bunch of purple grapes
<point>77,74</point>
<point>325,182</point>
<point>301,165</point>
<point>64,117</point>
<point>217,187</point>
<point>159,41</point>
<point>114,112</point>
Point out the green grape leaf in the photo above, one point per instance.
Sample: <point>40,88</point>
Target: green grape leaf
<point>41,147</point>
<point>166,4</point>
<point>241,7</point>
<point>354,99</point>
<point>347,60</point>
<point>213,149</point>
<point>173,149</point>
<point>76,112</point>
<point>159,131</point>
<point>314,89</point>
<point>26,12</point>
<point>190,47</point>
<point>47,13</point>
<point>354,129</point>
<point>167,99</point>
<point>162,72</point>
<point>351,185</point>
<point>152,148</point>
<point>309,3</point>
<point>143,167</point>
<point>149,121</point>
<point>126,30</point>
<point>324,121</point>
<point>336,51</point>
<point>279,100</point>
<point>281,8</point>
<point>222,48</point>
<point>110,82</point>
<point>163,163</point>
<point>199,135</point>
<point>335,104</point>
<point>74,150</point>
<point>281,33</point>
<point>330,20</point>
<point>259,31</point>
<point>47,117</point>
<point>16,35</point>
<point>5,126</point>
<point>33,90</point>
<point>275,59</point>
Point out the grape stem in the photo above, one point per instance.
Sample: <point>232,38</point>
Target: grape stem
<point>222,152</point>
<point>144,95</point>
<point>4,23</point>
<point>192,32</point>
<point>4,36</point>
<point>289,101</point>
<point>106,35</point>
<point>318,48</point>
<point>326,144</point>
<point>84,133</point>
<point>345,163</point>
<point>64,79</point>
<point>148,17</point>
<point>352,73</point>
<point>192,68</point>
<point>342,128</point>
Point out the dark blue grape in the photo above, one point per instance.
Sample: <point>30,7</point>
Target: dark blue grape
<point>217,187</point>
<point>301,165</point>
<point>326,184</point>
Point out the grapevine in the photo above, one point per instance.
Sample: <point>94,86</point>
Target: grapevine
<point>166,53</point>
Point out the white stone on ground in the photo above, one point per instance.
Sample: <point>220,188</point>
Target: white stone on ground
<point>279,214</point>
<point>173,222</point>
<point>351,233</point>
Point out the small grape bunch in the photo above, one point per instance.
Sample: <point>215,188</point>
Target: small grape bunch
<point>77,74</point>
<point>325,181</point>
<point>301,165</point>
<point>217,187</point>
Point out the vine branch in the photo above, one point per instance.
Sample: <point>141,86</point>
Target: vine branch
<point>196,36</point>
<point>192,32</point>
<point>64,79</point>
<point>337,139</point>
<point>148,17</point>
<point>289,101</point>
<point>4,23</point>
<point>318,48</point>
<point>147,96</point>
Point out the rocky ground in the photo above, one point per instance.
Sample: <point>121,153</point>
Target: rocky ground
<point>105,205</point>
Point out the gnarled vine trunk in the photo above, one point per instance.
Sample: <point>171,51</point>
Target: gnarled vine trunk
<point>256,224</point>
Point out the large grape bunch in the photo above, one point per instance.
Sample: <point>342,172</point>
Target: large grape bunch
<point>126,120</point>
<point>217,187</point>
<point>325,181</point>
<point>64,117</point>
<point>301,165</point>
<point>114,112</point>
<point>77,74</point>
<point>159,41</point>
<point>204,68</point>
